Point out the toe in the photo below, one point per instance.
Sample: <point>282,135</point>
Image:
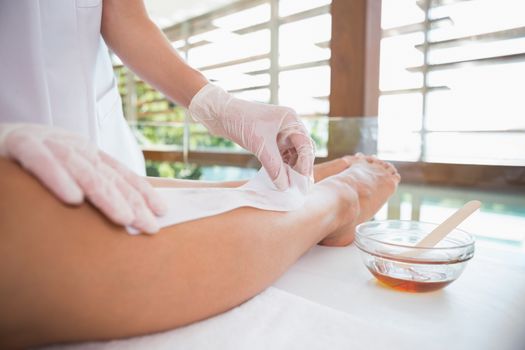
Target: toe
<point>376,162</point>
<point>386,165</point>
<point>349,159</point>
<point>383,163</point>
<point>359,156</point>
<point>394,175</point>
<point>391,168</point>
<point>373,159</point>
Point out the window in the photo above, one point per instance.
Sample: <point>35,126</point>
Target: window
<point>452,81</point>
<point>257,50</point>
<point>451,76</point>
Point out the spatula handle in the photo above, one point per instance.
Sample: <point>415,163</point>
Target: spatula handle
<point>448,225</point>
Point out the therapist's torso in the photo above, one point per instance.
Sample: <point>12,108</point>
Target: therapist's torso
<point>55,69</point>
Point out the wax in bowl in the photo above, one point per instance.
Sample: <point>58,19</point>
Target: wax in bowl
<point>387,249</point>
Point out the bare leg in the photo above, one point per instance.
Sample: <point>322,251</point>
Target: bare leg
<point>67,274</point>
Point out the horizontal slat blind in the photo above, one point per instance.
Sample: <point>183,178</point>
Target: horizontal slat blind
<point>453,81</point>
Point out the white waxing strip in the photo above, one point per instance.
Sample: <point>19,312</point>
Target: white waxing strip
<point>186,204</point>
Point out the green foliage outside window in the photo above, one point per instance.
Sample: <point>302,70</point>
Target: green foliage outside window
<point>173,170</point>
<point>160,124</point>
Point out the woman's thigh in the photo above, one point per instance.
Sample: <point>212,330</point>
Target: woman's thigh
<point>67,273</point>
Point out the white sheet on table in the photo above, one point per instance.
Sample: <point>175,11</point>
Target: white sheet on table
<point>274,320</point>
<point>186,204</point>
<point>483,310</point>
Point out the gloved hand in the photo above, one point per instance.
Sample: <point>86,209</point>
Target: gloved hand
<point>274,134</point>
<point>72,168</point>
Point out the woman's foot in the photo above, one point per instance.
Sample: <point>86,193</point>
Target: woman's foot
<point>332,167</point>
<point>374,181</point>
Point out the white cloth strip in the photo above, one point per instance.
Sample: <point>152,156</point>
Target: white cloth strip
<point>186,204</point>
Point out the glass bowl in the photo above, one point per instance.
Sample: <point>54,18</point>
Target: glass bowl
<point>387,249</point>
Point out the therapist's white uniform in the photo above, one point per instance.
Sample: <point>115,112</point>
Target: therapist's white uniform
<point>55,70</point>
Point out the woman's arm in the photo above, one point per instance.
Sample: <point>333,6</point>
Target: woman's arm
<point>142,46</point>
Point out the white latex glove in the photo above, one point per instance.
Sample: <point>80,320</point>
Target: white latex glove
<point>274,134</point>
<point>71,167</point>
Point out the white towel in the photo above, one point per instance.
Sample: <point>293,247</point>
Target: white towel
<point>272,320</point>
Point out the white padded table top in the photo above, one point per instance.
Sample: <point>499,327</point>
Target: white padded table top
<point>328,300</point>
<point>483,309</point>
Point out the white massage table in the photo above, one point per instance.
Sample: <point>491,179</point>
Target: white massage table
<point>328,300</point>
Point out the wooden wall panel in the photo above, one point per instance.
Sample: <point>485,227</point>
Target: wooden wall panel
<point>356,31</point>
